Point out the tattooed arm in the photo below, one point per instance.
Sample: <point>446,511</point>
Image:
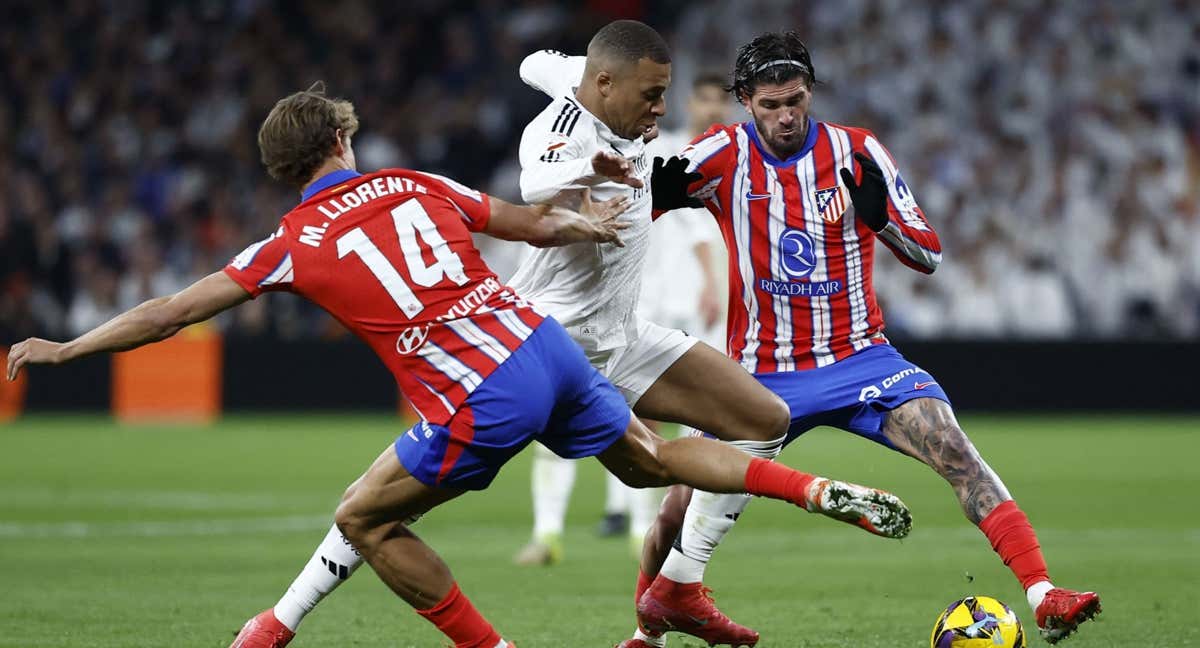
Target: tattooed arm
<point>925,429</point>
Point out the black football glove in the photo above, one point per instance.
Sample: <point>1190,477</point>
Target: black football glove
<point>669,181</point>
<point>870,197</point>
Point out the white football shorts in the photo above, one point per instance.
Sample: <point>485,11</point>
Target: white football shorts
<point>634,367</point>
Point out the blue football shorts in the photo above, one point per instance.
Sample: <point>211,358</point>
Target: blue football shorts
<point>854,394</point>
<point>546,391</point>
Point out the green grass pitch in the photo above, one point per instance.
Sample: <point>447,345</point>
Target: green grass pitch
<point>116,536</point>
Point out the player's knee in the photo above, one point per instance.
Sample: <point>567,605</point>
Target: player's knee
<point>353,523</point>
<point>771,420</point>
<point>350,490</point>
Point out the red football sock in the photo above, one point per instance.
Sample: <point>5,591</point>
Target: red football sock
<point>459,620</point>
<point>1013,538</point>
<point>777,481</point>
<point>643,584</point>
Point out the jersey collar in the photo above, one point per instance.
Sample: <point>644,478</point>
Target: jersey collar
<point>809,142</point>
<point>604,132</point>
<point>326,181</point>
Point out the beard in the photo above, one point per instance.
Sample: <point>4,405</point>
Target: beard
<point>783,147</point>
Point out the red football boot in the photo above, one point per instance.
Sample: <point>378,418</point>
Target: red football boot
<point>263,631</point>
<point>688,608</point>
<point>1063,610</point>
<point>634,643</point>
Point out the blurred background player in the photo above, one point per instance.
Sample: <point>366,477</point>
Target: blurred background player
<point>808,327</point>
<point>682,288</point>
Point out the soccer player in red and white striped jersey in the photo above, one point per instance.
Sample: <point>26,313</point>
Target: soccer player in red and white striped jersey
<point>800,266</point>
<point>800,203</point>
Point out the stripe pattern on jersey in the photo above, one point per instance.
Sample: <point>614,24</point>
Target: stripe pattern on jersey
<point>563,126</point>
<point>459,353</point>
<point>745,346</point>
<point>820,313</point>
<point>567,118</point>
<point>774,325</point>
<point>282,274</point>
<point>857,255</point>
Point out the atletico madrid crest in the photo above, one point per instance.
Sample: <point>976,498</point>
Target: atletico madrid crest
<point>831,203</point>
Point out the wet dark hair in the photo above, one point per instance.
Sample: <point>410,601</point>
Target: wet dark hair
<point>773,57</point>
<point>629,41</point>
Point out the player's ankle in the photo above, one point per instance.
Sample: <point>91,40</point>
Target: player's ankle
<point>660,641</point>
<point>1036,592</point>
<point>812,493</point>
<point>681,569</point>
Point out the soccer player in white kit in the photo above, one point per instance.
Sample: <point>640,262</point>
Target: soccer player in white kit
<point>682,288</point>
<point>593,139</point>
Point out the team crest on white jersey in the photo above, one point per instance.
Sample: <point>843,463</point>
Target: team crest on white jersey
<point>831,203</point>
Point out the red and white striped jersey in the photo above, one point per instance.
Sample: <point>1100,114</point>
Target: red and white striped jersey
<point>799,262</point>
<point>389,254</point>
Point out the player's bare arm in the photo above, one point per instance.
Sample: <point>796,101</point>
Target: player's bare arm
<point>925,429</point>
<point>151,321</point>
<point>549,226</point>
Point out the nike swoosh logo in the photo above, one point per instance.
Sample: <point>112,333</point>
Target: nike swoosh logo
<point>754,196</point>
<point>923,385</point>
<point>699,622</point>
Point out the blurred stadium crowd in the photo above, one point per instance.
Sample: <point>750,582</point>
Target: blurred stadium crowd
<point>1055,146</point>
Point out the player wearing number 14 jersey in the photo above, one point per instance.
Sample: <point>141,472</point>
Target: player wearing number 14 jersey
<point>339,248</point>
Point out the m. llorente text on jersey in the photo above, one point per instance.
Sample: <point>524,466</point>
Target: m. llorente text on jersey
<point>364,193</point>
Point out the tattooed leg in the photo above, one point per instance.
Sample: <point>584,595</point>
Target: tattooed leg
<point>925,429</point>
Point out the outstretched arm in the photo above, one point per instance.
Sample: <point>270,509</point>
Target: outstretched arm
<point>546,226</point>
<point>884,202</point>
<point>151,321</point>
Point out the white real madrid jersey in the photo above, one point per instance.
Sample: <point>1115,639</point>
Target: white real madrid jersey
<point>591,288</point>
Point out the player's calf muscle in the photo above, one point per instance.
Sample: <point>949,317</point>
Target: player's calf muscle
<point>926,429</point>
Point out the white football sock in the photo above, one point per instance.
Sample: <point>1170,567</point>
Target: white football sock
<point>616,495</point>
<point>709,517</point>
<point>553,479</point>
<point>659,641</point>
<point>1037,592</point>
<point>332,563</point>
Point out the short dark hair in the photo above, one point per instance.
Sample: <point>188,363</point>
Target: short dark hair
<point>629,41</point>
<point>301,131</point>
<point>710,78</point>
<point>773,57</point>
